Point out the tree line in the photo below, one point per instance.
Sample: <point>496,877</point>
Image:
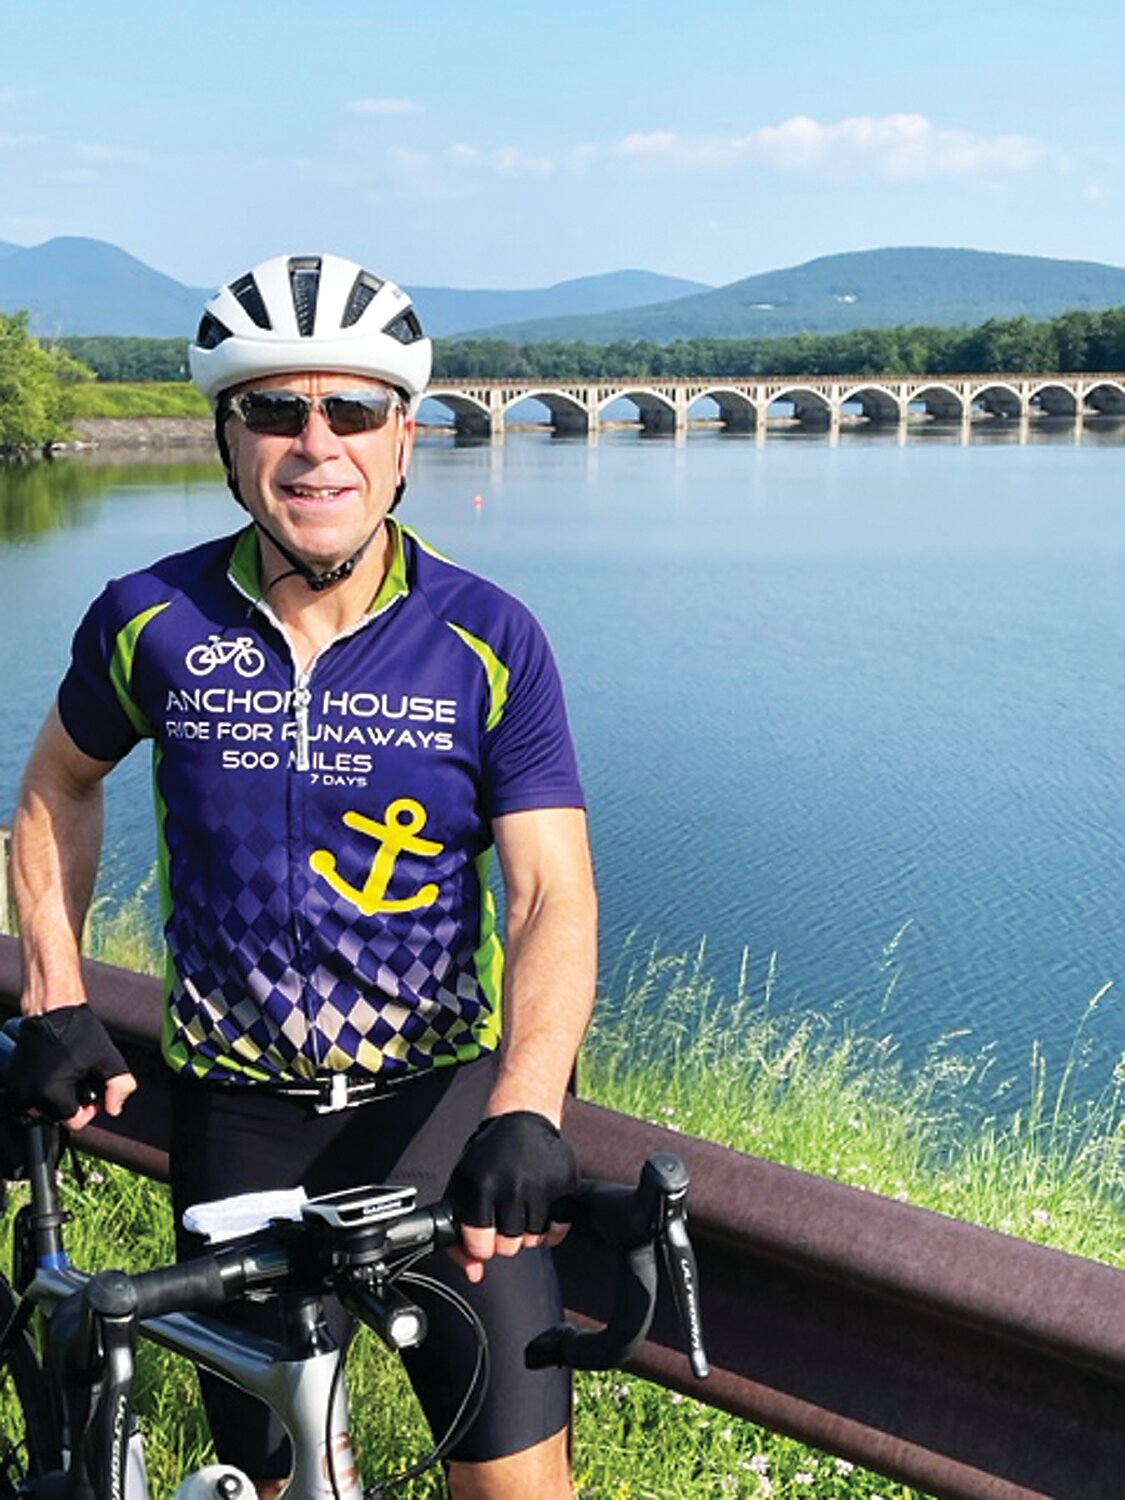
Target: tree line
<point>1070,343</point>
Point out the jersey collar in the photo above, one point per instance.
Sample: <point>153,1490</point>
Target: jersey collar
<point>244,572</point>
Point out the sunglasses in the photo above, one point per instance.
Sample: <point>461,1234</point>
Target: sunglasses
<point>286,413</point>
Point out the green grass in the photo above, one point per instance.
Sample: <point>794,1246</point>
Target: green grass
<point>157,398</point>
<point>809,1091</point>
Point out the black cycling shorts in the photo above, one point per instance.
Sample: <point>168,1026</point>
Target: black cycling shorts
<point>230,1139</point>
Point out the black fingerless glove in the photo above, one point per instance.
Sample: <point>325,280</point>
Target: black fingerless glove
<point>57,1051</point>
<point>513,1170</point>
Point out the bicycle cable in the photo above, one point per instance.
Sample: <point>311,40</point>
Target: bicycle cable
<point>465,1415</point>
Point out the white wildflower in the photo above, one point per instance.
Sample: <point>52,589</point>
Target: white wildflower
<point>760,1464</point>
<point>844,1466</point>
<point>803,1477</point>
<point>1040,1216</point>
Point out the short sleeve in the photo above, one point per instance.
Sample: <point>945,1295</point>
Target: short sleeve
<point>528,757</point>
<point>89,705</point>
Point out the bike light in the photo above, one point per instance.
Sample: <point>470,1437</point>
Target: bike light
<point>405,1328</point>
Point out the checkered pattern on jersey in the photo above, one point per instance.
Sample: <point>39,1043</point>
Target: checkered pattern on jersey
<point>329,988</point>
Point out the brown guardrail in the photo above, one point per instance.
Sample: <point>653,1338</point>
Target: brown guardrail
<point>967,1363</point>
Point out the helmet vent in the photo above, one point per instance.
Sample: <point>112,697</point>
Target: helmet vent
<point>211,332</point>
<point>304,279</point>
<point>364,290</point>
<point>247,293</point>
<point>406,327</point>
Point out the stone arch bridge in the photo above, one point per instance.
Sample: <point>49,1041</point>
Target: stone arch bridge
<point>481,407</point>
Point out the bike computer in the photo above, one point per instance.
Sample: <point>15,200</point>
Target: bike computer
<point>356,1207</point>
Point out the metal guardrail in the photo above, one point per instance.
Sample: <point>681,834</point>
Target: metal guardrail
<point>967,1363</point>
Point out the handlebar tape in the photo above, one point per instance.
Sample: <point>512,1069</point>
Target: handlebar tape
<point>189,1287</point>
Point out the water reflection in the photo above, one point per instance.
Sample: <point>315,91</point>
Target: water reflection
<point>985,431</point>
<point>37,498</point>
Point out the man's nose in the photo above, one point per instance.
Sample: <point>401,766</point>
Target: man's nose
<point>317,440</point>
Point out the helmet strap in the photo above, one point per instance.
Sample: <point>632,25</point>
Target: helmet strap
<point>297,565</point>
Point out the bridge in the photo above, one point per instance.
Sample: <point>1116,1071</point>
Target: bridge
<point>481,408</point>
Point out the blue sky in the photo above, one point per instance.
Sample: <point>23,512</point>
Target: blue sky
<point>516,145</point>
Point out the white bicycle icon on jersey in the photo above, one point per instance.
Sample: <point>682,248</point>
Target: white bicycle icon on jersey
<point>241,653</point>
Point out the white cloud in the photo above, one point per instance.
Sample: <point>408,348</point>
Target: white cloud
<point>464,155</point>
<point>900,147</point>
<point>505,161</point>
<point>93,151</point>
<point>382,107</point>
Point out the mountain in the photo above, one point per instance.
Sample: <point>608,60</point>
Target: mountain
<point>84,286</point>
<point>448,311</point>
<point>74,286</point>
<point>861,289</point>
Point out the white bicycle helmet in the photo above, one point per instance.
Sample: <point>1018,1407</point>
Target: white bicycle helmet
<point>295,313</point>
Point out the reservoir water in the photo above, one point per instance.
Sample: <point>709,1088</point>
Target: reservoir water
<point>859,705</point>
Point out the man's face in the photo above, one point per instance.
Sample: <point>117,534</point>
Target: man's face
<point>321,494</point>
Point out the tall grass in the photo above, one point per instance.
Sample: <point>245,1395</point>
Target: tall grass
<point>816,1094</point>
<point>810,1091</point>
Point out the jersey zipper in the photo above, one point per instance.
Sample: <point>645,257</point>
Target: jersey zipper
<point>302,702</point>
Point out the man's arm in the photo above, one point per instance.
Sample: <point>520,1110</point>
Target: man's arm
<point>56,842</point>
<point>549,978</point>
<point>551,956</point>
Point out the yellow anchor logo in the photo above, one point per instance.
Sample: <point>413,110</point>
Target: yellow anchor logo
<point>397,834</point>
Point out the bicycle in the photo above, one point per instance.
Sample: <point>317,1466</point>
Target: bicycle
<point>241,653</point>
<point>72,1386</point>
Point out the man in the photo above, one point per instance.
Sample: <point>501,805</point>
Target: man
<point>344,725</point>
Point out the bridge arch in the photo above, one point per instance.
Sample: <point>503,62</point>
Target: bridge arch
<point>941,402</point>
<point>879,405</point>
<point>1054,399</point>
<point>1107,397</point>
<point>810,407</point>
<point>657,412</point>
<point>998,400</point>
<point>471,418</point>
<point>737,411</point>
<point>568,413</point>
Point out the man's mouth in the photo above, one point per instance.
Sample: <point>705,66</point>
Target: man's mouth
<point>316,491</point>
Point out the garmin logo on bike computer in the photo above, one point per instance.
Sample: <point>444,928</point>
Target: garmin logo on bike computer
<point>239,653</point>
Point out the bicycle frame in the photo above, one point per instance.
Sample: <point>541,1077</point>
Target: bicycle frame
<point>293,1375</point>
<point>298,1389</point>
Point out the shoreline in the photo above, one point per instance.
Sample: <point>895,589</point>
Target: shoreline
<point>128,434</point>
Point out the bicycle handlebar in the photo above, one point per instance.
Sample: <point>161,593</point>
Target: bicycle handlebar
<point>631,1222</point>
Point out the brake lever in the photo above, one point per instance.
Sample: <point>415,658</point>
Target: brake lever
<point>679,1259</point>
<point>633,1222</point>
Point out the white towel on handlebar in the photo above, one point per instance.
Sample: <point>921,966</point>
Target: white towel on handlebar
<point>245,1213</point>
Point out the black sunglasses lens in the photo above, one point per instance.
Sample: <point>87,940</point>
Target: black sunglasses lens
<point>285,413</point>
<point>274,413</point>
<point>350,412</point>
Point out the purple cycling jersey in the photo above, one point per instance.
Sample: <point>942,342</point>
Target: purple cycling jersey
<point>325,835</point>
